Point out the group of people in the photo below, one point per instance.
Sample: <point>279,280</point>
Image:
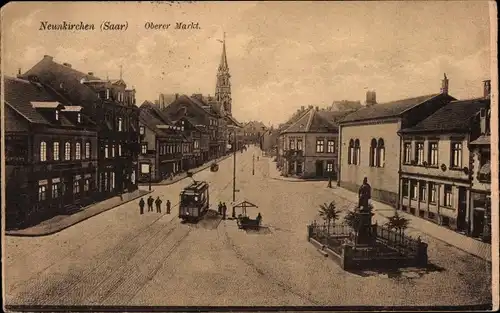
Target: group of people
<point>150,203</point>
<point>222,208</point>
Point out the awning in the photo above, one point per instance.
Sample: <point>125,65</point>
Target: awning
<point>482,140</point>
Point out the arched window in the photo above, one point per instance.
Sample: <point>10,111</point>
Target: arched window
<point>350,152</point>
<point>380,153</point>
<point>67,151</point>
<point>373,152</point>
<point>357,152</point>
<point>43,151</point>
<point>78,151</point>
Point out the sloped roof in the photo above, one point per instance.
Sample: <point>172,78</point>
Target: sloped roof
<point>147,118</point>
<point>316,122</point>
<point>147,105</point>
<point>455,116</point>
<point>388,109</point>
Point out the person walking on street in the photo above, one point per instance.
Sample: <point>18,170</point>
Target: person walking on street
<point>141,206</point>
<point>220,208</point>
<point>168,206</point>
<point>150,204</point>
<point>158,205</point>
<point>224,210</point>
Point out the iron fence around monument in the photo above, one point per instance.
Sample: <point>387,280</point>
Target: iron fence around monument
<point>399,240</point>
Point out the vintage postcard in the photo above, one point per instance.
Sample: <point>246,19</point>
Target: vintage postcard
<point>249,156</point>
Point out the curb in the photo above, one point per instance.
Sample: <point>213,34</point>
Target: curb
<point>299,180</point>
<point>199,169</point>
<point>77,222</point>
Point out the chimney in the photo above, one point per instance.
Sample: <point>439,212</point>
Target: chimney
<point>19,73</point>
<point>48,57</point>
<point>444,85</point>
<point>487,88</point>
<point>176,96</point>
<point>302,108</point>
<point>317,108</point>
<point>67,65</point>
<point>371,98</point>
<point>90,73</point>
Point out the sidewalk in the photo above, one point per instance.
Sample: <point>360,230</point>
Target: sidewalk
<point>275,174</point>
<point>464,243</point>
<point>183,175</point>
<point>60,222</point>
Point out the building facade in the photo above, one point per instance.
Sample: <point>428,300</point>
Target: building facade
<point>310,145</point>
<point>50,154</point>
<point>370,145</point>
<point>112,107</point>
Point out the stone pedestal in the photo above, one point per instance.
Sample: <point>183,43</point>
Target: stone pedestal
<point>365,230</point>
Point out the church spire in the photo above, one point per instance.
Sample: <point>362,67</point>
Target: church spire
<point>223,86</point>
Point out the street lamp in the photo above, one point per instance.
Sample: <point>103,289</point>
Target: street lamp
<point>234,163</point>
<point>253,164</point>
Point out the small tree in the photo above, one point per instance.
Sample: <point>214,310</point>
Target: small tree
<point>329,213</point>
<point>398,223</point>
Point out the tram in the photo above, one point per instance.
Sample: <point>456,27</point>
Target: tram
<point>195,201</point>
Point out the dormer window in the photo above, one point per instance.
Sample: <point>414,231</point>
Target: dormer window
<point>141,130</point>
<point>57,115</point>
<point>79,118</point>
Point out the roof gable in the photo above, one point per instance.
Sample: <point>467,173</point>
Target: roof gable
<point>388,109</point>
<point>301,124</point>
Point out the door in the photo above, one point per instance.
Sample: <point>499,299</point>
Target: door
<point>319,168</point>
<point>462,207</point>
<point>478,223</point>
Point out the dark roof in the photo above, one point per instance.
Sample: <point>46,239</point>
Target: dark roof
<point>19,94</point>
<point>65,80</point>
<point>151,107</point>
<point>147,118</point>
<point>455,116</point>
<point>317,122</point>
<point>388,109</point>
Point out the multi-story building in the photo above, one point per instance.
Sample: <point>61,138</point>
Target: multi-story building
<point>50,153</point>
<point>195,135</point>
<point>435,167</point>
<point>310,145</point>
<point>370,144</point>
<point>161,145</point>
<point>112,107</point>
<point>480,170</point>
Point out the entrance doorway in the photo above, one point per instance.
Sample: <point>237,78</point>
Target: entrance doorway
<point>462,207</point>
<point>319,168</point>
<point>478,222</point>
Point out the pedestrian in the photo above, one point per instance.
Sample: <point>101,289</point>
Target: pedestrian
<point>150,204</point>
<point>168,206</point>
<point>158,205</point>
<point>224,209</point>
<point>258,219</point>
<point>141,206</point>
<point>220,208</point>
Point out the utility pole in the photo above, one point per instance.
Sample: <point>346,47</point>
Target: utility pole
<point>234,166</point>
<point>253,164</point>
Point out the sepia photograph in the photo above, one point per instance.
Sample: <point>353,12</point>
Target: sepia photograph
<point>249,156</point>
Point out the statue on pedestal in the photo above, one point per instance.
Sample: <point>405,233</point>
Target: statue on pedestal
<point>365,194</point>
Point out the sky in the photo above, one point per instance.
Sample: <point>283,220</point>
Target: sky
<point>281,55</point>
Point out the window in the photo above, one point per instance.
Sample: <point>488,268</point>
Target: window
<point>456,154</point>
<point>120,124</point>
<point>373,152</point>
<point>299,145</point>
<point>78,151</point>
<point>76,187</point>
<point>55,152</point>
<point>432,192</point>
<point>448,196</point>
<point>291,144</point>
<point>144,148</point>
<point>57,115</point>
<point>87,150</point>
<point>119,150</point>
<point>43,151</point>
<point>407,151</point>
<point>433,153</point>
<point>141,130</point>
<point>55,190</point>
<point>112,180</point>
<point>357,152</point>
<point>422,191</point>
<point>79,118</point>
<point>413,189</point>
<point>67,151</point>
<point>86,185</point>
<point>320,145</point>
<point>405,188</point>
<point>330,146</point>
<point>380,153</point>
<point>106,151</point>
<point>113,151</point>
<point>42,193</point>
<point>350,152</point>
<point>419,153</point>
<point>329,167</point>
<point>107,93</point>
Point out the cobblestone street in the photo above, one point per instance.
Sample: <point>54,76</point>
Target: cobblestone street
<point>122,258</point>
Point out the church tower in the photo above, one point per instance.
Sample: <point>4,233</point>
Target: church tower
<point>223,86</point>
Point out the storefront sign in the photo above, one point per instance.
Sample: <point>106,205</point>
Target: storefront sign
<point>56,180</point>
<point>43,182</point>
